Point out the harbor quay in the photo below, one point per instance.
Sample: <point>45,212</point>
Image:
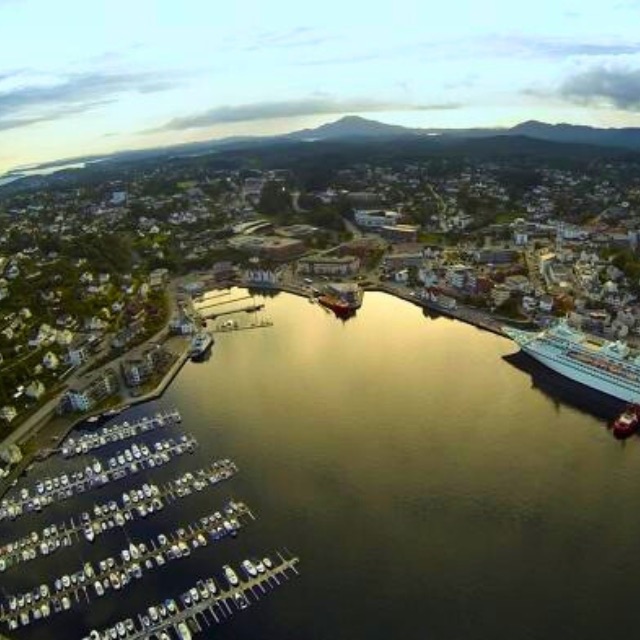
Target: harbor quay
<point>140,502</point>
<point>468,315</point>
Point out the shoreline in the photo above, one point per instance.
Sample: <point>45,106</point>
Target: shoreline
<point>472,317</point>
<point>63,430</point>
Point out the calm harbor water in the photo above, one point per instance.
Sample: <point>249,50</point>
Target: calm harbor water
<point>431,488</point>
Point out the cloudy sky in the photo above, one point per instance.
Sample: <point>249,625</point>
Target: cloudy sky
<point>82,77</point>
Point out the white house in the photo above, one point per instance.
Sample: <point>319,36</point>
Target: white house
<point>500,294</point>
<point>50,361</point>
<point>35,390</point>
<point>64,337</point>
<point>8,413</point>
<point>375,218</point>
<point>546,304</point>
<point>77,354</point>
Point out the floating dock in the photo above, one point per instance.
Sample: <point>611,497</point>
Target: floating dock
<point>116,574</point>
<point>224,327</point>
<point>92,440</point>
<point>93,476</point>
<point>213,604</point>
<point>112,514</point>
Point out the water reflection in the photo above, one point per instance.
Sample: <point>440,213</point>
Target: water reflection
<point>561,390</point>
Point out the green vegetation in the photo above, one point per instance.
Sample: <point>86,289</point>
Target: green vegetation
<point>275,200</point>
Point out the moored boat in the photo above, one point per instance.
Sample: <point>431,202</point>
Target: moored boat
<point>607,366</point>
<point>200,344</point>
<point>627,423</point>
<point>341,308</point>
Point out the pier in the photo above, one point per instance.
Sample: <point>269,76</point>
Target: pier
<point>113,514</point>
<point>212,315</point>
<point>114,574</point>
<point>92,440</point>
<point>205,305</point>
<point>213,604</point>
<point>93,476</point>
<point>223,327</point>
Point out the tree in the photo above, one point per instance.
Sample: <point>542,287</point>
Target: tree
<point>274,199</point>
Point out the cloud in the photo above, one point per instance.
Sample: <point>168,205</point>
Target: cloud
<point>488,46</point>
<point>290,109</point>
<point>50,115</point>
<point>292,38</point>
<point>557,47</point>
<point>612,87</point>
<point>31,104</point>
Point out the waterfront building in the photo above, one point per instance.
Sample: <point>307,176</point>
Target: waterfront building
<point>261,277</point>
<point>140,368</point>
<point>500,294</point>
<point>100,388</point>
<point>459,276</point>
<point>329,265</point>
<point>395,261</point>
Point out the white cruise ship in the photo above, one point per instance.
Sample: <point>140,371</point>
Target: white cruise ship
<point>609,367</point>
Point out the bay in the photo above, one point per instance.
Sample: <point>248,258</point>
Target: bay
<point>431,488</point>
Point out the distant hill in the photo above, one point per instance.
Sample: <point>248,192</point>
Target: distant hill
<point>352,127</point>
<point>357,127</point>
<point>626,138</point>
<point>559,140</point>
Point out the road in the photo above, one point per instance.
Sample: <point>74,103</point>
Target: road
<point>80,378</point>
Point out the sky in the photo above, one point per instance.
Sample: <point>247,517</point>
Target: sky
<point>85,77</point>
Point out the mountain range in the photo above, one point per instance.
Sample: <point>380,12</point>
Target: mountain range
<point>358,129</point>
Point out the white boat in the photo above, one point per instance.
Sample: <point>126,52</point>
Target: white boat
<point>183,631</point>
<point>200,344</point>
<point>609,367</point>
<point>231,576</point>
<point>249,568</point>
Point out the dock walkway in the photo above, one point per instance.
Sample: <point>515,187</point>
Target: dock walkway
<point>216,608</point>
<point>26,502</point>
<point>114,574</point>
<point>70,532</point>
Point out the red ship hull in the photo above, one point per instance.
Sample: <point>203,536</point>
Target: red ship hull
<point>627,423</point>
<point>339,307</point>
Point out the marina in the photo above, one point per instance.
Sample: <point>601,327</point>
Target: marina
<point>207,602</point>
<point>89,441</point>
<point>207,313</point>
<point>94,475</point>
<point>227,326</point>
<point>115,550</point>
<point>139,502</point>
<point>118,572</point>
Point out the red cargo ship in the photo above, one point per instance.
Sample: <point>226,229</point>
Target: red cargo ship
<point>341,308</point>
<point>626,424</point>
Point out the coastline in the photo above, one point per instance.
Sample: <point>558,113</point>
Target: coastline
<point>63,426</point>
<point>475,317</point>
